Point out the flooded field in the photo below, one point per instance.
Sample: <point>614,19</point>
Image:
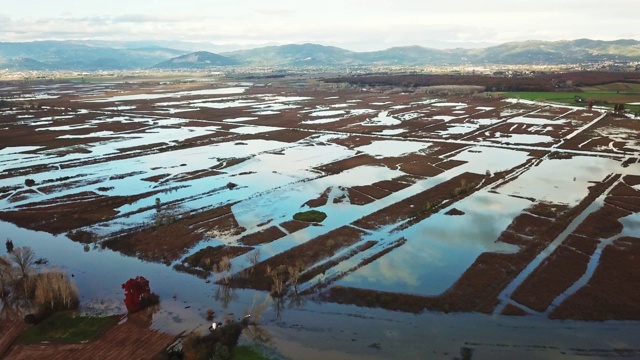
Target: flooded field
<point>484,223</point>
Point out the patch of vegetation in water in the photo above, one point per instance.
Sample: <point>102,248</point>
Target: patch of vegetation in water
<point>243,352</point>
<point>209,259</point>
<point>310,216</point>
<point>82,236</point>
<point>66,328</point>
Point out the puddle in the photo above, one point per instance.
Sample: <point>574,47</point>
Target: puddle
<point>520,139</point>
<point>17,149</point>
<point>254,129</point>
<point>327,113</point>
<point>321,121</point>
<point>383,119</point>
<point>240,119</point>
<point>392,148</point>
<point>390,132</point>
<point>458,129</point>
<point>222,91</point>
<point>535,121</point>
<point>444,117</point>
<point>561,180</point>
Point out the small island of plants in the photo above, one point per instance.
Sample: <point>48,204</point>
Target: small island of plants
<point>310,216</point>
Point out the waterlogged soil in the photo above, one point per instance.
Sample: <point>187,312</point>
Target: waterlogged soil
<point>293,149</point>
<point>569,262</point>
<point>265,236</point>
<point>132,339</point>
<point>63,214</point>
<point>168,242</point>
<point>478,288</point>
<point>303,256</point>
<point>420,205</point>
<point>612,293</point>
<point>559,271</point>
<point>295,225</point>
<point>210,259</point>
<point>615,133</point>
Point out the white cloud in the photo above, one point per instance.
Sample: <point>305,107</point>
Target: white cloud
<point>356,24</point>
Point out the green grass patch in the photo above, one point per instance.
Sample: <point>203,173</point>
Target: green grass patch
<point>67,328</point>
<point>310,216</point>
<point>562,97</point>
<point>243,352</point>
<point>614,93</point>
<point>614,87</point>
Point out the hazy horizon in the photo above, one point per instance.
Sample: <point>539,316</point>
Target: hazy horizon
<point>356,25</point>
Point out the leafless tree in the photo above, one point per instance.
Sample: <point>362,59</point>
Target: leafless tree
<point>296,300</point>
<point>223,270</point>
<point>279,305</point>
<point>278,277</point>
<point>225,294</point>
<point>295,271</point>
<point>23,257</point>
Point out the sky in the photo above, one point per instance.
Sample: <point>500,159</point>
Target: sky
<point>359,25</point>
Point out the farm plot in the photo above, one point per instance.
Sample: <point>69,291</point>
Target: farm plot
<point>439,204</point>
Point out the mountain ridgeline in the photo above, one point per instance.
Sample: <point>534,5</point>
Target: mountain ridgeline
<point>89,56</point>
<point>197,60</point>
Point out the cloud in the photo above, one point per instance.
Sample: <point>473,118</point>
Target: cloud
<point>145,18</point>
<point>355,24</point>
<point>276,12</point>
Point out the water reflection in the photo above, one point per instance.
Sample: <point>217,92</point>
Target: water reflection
<point>439,249</point>
<point>562,180</point>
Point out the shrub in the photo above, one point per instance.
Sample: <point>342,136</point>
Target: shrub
<point>30,319</point>
<point>54,290</point>
<point>9,245</point>
<point>138,295</point>
<point>310,216</point>
<point>29,182</point>
<point>82,236</point>
<point>220,352</point>
<point>215,345</point>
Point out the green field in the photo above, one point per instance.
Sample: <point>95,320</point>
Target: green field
<point>614,93</point>
<point>66,328</point>
<point>243,352</point>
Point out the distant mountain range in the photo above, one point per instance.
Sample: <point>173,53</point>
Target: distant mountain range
<point>102,55</point>
<point>68,55</point>
<point>197,60</point>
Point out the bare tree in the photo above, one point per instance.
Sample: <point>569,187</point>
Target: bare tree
<point>24,258</point>
<point>254,259</point>
<point>279,306</point>
<point>295,271</point>
<point>224,292</point>
<point>223,270</point>
<point>278,277</point>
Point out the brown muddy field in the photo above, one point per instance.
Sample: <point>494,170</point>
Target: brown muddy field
<point>123,341</point>
<point>175,169</point>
